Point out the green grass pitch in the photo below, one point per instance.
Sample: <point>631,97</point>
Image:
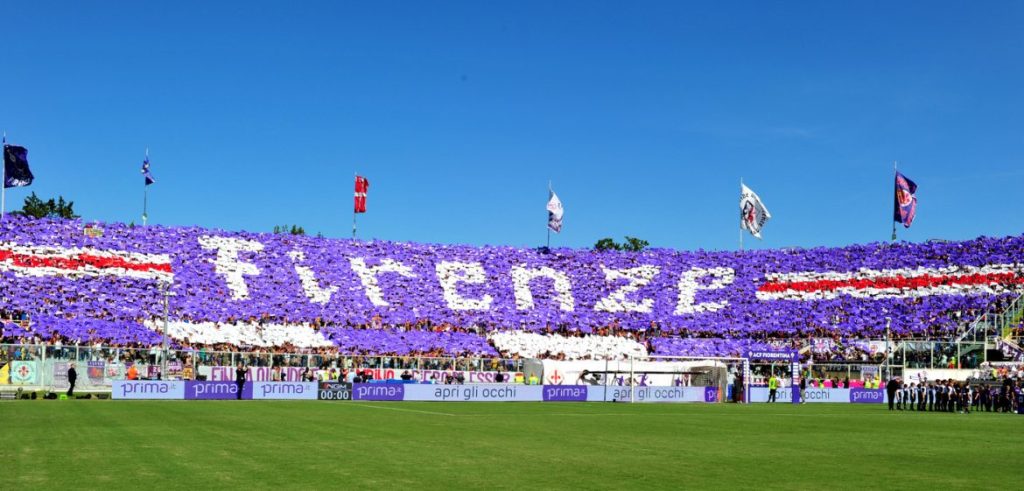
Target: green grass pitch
<point>361,445</point>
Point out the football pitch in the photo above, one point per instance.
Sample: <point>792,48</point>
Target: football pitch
<point>339,445</point>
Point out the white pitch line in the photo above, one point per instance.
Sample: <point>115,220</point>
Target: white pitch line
<point>436,413</point>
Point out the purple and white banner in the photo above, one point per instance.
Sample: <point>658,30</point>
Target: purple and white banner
<point>440,393</point>
<point>147,389</point>
<point>378,392</point>
<point>474,393</point>
<point>306,391</point>
<point>867,396</point>
<point>622,393</point>
<point>530,393</point>
<point>216,390</point>
<point>565,393</point>
<point>815,395</point>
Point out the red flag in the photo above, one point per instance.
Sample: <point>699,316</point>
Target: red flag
<point>362,185</point>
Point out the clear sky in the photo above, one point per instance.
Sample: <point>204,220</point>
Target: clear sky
<point>643,116</point>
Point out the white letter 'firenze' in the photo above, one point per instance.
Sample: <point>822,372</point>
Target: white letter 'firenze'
<point>450,274</point>
<point>688,286</point>
<point>310,286</point>
<point>368,276</point>
<point>521,277</point>
<point>638,277</point>
<point>229,266</point>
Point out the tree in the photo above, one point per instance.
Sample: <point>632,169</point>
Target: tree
<point>607,244</point>
<point>632,244</point>
<point>37,208</point>
<point>289,229</point>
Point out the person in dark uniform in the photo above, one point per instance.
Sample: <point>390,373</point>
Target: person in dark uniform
<point>72,377</point>
<point>931,397</point>
<point>985,398</point>
<point>941,402</point>
<point>803,388</point>
<point>890,389</point>
<point>240,372</point>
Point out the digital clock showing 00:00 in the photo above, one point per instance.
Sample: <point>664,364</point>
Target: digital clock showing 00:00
<point>334,391</point>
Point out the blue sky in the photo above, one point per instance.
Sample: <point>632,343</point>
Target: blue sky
<point>644,116</point>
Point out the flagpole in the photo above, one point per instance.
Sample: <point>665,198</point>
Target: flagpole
<point>549,225</point>
<point>145,195</point>
<point>354,213</point>
<point>894,171</point>
<point>741,216</point>
<point>3,183</point>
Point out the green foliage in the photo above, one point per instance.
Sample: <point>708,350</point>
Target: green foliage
<point>289,229</point>
<point>632,244</point>
<point>37,208</point>
<point>607,244</point>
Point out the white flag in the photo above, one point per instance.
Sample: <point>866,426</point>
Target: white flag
<point>753,214</point>
<point>554,212</point>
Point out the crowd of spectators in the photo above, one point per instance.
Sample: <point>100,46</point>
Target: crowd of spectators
<point>275,295</point>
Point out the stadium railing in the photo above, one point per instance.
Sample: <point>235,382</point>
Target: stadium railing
<point>45,366</point>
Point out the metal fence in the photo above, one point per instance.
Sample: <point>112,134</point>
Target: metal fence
<point>45,366</point>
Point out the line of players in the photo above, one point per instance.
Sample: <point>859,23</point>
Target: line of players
<point>952,396</point>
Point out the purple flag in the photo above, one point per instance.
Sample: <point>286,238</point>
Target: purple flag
<point>146,173</point>
<point>16,171</point>
<point>905,205</point>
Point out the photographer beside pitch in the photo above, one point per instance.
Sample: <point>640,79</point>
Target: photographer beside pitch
<point>240,373</point>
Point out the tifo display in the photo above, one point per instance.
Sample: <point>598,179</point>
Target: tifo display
<point>380,297</point>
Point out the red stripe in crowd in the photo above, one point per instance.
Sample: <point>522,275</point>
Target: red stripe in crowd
<point>79,261</point>
<point>912,282</point>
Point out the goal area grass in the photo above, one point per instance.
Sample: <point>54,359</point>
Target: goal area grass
<point>340,445</point>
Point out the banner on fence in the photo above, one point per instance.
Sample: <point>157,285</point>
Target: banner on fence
<point>24,373</point>
<point>216,390</point>
<point>60,374</point>
<point>256,374</point>
<point>844,396</point>
<point>147,389</point>
<point>867,396</point>
<point>94,372</point>
<point>306,391</point>
<point>652,394</point>
<point>643,373</point>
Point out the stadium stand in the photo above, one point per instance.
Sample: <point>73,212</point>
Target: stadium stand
<point>279,292</point>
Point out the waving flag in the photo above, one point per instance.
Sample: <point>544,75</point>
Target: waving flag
<point>905,204</point>
<point>145,172</point>
<point>16,171</point>
<point>554,212</point>
<point>362,186</point>
<point>753,214</point>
